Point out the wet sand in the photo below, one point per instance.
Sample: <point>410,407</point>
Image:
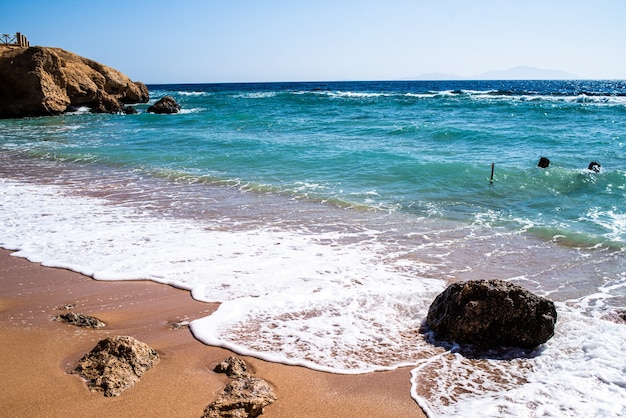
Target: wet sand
<point>37,355</point>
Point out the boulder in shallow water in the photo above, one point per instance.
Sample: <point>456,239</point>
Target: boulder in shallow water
<point>165,105</point>
<point>129,110</point>
<point>116,363</point>
<point>491,314</point>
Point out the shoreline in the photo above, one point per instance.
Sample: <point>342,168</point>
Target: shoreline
<point>37,355</point>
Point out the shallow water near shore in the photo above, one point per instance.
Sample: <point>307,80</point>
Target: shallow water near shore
<point>326,217</point>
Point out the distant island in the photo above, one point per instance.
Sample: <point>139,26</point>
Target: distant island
<point>515,73</point>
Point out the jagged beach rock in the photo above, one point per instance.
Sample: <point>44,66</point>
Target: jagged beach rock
<point>491,314</point>
<point>80,320</point>
<point>243,397</point>
<point>116,363</point>
<point>165,105</point>
<point>42,81</point>
<point>233,367</point>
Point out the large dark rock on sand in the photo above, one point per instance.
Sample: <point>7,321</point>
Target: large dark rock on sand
<point>41,81</point>
<point>491,314</point>
<point>116,363</point>
<point>243,397</point>
<point>80,320</point>
<point>165,105</point>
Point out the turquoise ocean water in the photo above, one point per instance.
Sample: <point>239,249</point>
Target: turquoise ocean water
<point>326,216</point>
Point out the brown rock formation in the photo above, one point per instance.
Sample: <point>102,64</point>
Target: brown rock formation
<point>243,397</point>
<point>41,81</point>
<point>232,367</point>
<point>116,363</point>
<point>80,320</point>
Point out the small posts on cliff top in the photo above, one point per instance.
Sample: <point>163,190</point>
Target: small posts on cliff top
<point>15,40</point>
<point>491,177</point>
<point>22,42</point>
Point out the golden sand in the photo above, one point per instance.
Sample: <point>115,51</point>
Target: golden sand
<point>37,355</point>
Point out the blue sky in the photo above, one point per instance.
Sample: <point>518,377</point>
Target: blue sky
<point>189,41</point>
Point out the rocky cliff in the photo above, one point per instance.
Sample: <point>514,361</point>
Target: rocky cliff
<point>41,81</point>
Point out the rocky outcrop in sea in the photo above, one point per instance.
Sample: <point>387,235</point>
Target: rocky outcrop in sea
<point>43,81</point>
<point>166,105</point>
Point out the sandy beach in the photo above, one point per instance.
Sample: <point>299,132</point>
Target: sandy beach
<point>37,355</point>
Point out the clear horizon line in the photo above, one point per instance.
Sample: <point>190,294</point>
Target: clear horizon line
<point>386,80</point>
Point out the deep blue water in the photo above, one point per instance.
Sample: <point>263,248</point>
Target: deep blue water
<point>424,148</point>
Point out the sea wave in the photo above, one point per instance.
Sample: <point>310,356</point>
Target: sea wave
<point>478,95</point>
<point>593,93</point>
<point>256,95</point>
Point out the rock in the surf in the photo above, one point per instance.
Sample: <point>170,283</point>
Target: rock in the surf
<point>491,314</point>
<point>116,363</point>
<point>165,105</point>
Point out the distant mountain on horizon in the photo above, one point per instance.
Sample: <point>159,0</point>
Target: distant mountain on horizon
<point>525,73</point>
<point>516,73</point>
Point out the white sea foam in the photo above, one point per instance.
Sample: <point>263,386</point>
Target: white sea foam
<point>424,95</point>
<point>477,95</point>
<point>357,94</point>
<point>336,301</point>
<point>192,110</point>
<point>491,96</point>
<point>195,93</point>
<point>577,373</point>
<point>582,98</point>
<point>80,110</point>
<point>299,287</point>
<point>614,223</point>
<point>257,95</point>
